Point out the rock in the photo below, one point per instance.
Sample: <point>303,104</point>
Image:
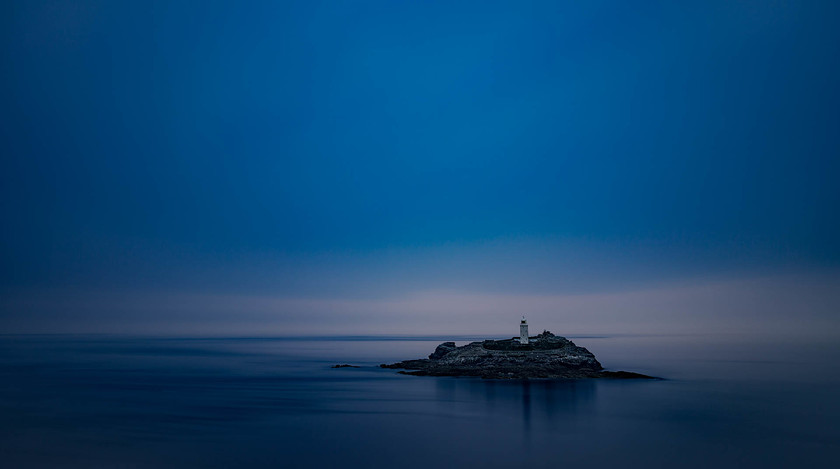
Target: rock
<point>345,366</point>
<point>546,356</point>
<point>408,364</point>
<point>442,350</point>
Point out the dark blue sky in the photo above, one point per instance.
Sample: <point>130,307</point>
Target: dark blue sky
<point>345,149</point>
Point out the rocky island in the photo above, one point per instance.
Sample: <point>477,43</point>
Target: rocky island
<point>542,356</point>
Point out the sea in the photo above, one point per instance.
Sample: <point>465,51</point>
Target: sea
<point>726,400</point>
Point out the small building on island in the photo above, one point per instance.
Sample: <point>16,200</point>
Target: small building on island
<point>523,331</point>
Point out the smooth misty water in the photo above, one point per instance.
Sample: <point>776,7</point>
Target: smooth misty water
<point>70,401</point>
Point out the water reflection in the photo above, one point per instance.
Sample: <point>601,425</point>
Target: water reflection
<point>526,408</point>
<point>547,404</point>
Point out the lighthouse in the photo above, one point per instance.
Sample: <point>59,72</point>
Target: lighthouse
<point>523,331</point>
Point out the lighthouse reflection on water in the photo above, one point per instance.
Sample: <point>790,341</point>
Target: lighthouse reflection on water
<point>543,404</point>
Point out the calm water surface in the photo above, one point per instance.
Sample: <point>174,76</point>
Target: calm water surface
<point>729,401</point>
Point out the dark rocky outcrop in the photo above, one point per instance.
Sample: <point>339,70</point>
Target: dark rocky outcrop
<point>442,350</point>
<point>345,366</point>
<point>546,356</point>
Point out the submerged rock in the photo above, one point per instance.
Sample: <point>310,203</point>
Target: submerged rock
<point>545,356</point>
<point>345,366</point>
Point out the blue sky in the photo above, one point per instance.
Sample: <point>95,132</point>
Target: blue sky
<point>167,153</point>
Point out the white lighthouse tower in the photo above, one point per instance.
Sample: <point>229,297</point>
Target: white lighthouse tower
<point>523,331</point>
